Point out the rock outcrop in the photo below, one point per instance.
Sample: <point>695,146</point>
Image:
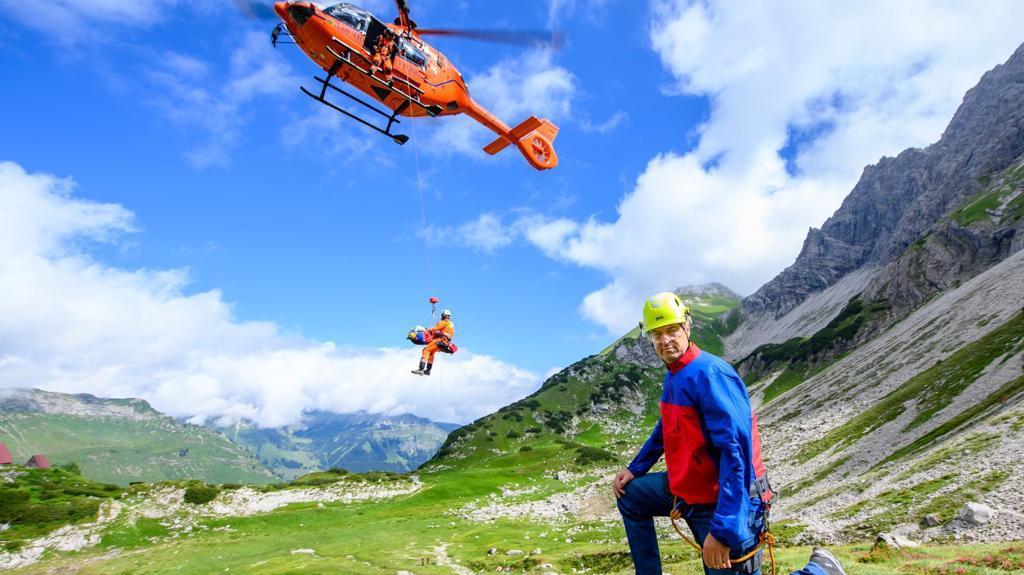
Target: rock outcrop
<point>896,202</point>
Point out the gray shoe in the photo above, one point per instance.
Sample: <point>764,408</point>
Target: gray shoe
<point>826,560</point>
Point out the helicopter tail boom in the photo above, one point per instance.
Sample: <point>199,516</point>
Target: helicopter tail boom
<point>535,138</point>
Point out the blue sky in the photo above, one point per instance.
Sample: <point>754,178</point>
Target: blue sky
<point>698,142</point>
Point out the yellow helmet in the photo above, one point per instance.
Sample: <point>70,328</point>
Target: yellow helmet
<point>664,309</point>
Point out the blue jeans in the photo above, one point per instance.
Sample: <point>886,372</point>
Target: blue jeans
<point>648,497</point>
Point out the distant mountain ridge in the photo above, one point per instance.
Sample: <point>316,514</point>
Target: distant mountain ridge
<point>120,440</point>
<point>356,442</point>
<point>123,440</point>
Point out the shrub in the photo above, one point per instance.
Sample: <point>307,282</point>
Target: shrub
<point>11,502</point>
<point>200,494</point>
<point>71,467</point>
<point>586,455</point>
<point>526,448</point>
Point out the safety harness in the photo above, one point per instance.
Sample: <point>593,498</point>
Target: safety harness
<point>759,489</point>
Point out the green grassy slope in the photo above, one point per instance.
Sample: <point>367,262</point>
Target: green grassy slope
<point>138,446</point>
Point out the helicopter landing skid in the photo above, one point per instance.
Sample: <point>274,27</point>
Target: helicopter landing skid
<point>325,83</point>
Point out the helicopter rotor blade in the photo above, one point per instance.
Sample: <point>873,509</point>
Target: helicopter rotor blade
<point>403,19</point>
<point>515,37</point>
<point>257,10</point>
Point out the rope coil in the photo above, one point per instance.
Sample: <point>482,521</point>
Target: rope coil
<point>764,539</point>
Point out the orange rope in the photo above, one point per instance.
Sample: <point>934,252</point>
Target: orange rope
<point>765,539</point>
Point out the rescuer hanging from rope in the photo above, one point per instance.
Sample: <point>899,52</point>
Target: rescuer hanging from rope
<point>437,338</point>
<point>441,340</point>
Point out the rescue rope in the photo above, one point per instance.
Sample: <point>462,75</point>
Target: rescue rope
<point>764,539</point>
<point>426,243</point>
<point>423,208</point>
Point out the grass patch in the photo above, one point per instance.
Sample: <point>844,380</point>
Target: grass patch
<point>787,531</point>
<point>603,562</point>
<point>977,207</point>
<point>803,357</point>
<point>949,454</point>
<point>897,505</point>
<point>39,501</point>
<point>948,505</point>
<point>815,478</point>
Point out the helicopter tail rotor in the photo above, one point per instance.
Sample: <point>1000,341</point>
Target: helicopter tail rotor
<point>535,139</point>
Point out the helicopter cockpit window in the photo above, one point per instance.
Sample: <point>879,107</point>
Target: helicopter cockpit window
<point>413,54</point>
<point>351,15</point>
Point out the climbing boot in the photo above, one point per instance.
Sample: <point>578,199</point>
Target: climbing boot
<point>420,371</point>
<point>429,366</point>
<point>827,561</point>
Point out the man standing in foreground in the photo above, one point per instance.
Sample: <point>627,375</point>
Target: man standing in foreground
<point>712,449</point>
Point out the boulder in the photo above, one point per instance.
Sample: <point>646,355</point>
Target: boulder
<point>931,520</point>
<point>976,513</point>
<point>895,541</point>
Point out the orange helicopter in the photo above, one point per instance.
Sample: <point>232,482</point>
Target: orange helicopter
<point>393,65</point>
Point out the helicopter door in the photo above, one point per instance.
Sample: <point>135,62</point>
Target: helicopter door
<point>373,31</point>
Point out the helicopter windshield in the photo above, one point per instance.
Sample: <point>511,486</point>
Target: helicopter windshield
<point>412,53</point>
<point>353,16</point>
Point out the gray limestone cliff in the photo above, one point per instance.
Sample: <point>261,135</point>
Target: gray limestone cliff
<point>896,203</point>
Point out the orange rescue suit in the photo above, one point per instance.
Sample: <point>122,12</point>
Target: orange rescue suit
<point>443,332</point>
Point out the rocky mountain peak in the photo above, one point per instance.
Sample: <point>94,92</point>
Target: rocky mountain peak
<point>898,199</point>
<point>24,400</point>
<point>708,289</point>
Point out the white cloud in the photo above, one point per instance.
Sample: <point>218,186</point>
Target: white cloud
<point>69,21</point>
<point>605,127</point>
<point>862,80</point>
<point>186,98</point>
<point>70,323</point>
<point>486,234</point>
<point>334,136</point>
<point>512,90</point>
